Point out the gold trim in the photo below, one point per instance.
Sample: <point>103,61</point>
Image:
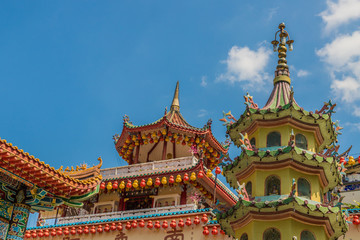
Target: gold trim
<point>282,78</point>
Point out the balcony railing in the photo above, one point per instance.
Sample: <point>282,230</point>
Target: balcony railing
<point>144,168</point>
<point>123,214</point>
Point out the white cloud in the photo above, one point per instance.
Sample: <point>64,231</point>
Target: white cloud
<point>272,12</point>
<point>342,57</point>
<point>202,113</point>
<point>246,65</point>
<point>203,81</point>
<point>302,73</point>
<point>339,13</point>
<point>355,126</point>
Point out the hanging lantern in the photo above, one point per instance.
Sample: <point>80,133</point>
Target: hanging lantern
<point>136,184</point>
<point>102,185</point>
<point>165,224</point>
<point>128,184</point>
<point>122,185</point>
<point>149,182</point>
<point>171,179</point>
<point>142,223</point>
<point>27,234</point>
<point>86,230</point>
<point>188,222</point>
<point>163,181</point>
<point>40,234</point>
<point>186,177</point>
<point>109,186</point>
<point>107,228</point>
<point>218,170</point>
<point>351,161</point>
<point>200,174</point>
<point>163,132</point>
<point>209,173</point>
<point>115,185</point>
<point>356,220</point>
<point>173,223</point>
<point>34,234</point>
<point>178,179</point>
<point>222,232</point>
<point>359,159</point>
<point>181,223</point>
<point>100,229</point>
<point>204,218</point>
<point>342,160</point>
<point>157,182</point>
<point>134,224</point>
<point>149,224</point>
<point>119,227</point>
<point>113,226</point>
<point>92,230</point>
<point>157,224</point>
<point>128,226</point>
<point>214,230</point>
<point>46,233</point>
<point>53,232</point>
<point>142,183</point>
<point>196,220</point>
<point>66,231</point>
<point>193,176</point>
<point>206,231</point>
<point>72,231</point>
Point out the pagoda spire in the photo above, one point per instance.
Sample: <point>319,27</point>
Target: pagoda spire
<point>282,70</point>
<point>175,105</point>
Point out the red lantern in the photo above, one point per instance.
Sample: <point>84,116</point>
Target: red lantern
<point>173,224</point>
<point>186,177</point>
<point>128,225</point>
<point>157,224</point>
<point>142,183</point>
<point>204,218</point>
<point>46,234</point>
<point>214,230</point>
<point>359,159</point>
<point>59,232</point>
<point>218,170</point>
<point>165,224</point>
<point>196,220</point>
<point>115,185</point>
<point>157,182</point>
<point>102,185</point>
<point>72,231</point>
<point>188,222</point>
<point>107,228</point>
<point>142,223</point>
<point>79,230</point>
<point>28,234</point>
<point>222,232</point>
<point>99,229</point>
<point>66,231</point>
<point>183,143</point>
<point>53,232</point>
<point>40,234</point>
<point>128,184</point>
<point>86,230</point>
<point>34,234</point>
<point>119,227</point>
<point>134,224</point>
<point>356,220</point>
<point>113,227</point>
<point>149,224</point>
<point>206,231</point>
<point>171,179</point>
<point>201,174</point>
<point>181,223</point>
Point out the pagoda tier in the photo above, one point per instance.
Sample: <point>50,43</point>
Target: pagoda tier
<point>284,176</point>
<point>169,137</point>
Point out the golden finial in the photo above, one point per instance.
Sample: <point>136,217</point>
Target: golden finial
<point>175,105</point>
<point>282,70</point>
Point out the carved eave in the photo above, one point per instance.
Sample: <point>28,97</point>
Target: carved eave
<point>252,119</point>
<point>289,157</point>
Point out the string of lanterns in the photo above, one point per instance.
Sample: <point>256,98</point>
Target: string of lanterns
<point>149,224</point>
<point>351,161</point>
<point>137,139</point>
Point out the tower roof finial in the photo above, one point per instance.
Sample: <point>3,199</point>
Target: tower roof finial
<point>282,70</point>
<point>175,105</point>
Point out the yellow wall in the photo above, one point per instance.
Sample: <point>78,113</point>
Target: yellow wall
<point>286,175</point>
<point>261,134</point>
<point>288,228</point>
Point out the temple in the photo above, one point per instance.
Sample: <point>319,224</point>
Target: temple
<point>167,191</point>
<point>29,185</point>
<point>288,171</point>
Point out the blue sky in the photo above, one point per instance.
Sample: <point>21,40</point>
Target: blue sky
<point>70,70</point>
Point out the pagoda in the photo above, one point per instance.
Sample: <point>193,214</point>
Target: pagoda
<point>288,167</point>
<point>167,190</point>
<point>29,185</point>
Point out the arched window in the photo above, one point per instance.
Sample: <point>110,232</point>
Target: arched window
<point>273,139</point>
<point>300,141</point>
<point>244,237</point>
<point>248,188</point>
<point>304,189</point>
<point>306,235</point>
<point>271,234</point>
<point>272,186</point>
<point>253,141</point>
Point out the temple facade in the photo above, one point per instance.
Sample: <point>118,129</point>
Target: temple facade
<point>167,191</point>
<point>288,172</point>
